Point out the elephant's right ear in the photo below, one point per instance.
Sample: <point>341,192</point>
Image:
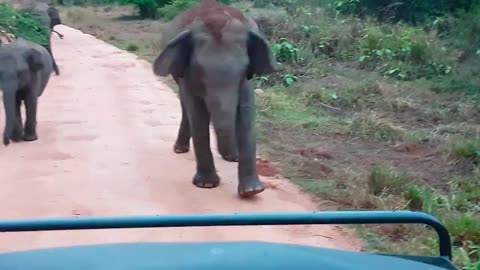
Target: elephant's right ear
<point>262,60</point>
<point>34,59</point>
<point>175,58</point>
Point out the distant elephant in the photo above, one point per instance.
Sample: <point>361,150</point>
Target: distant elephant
<point>212,52</point>
<point>54,19</point>
<point>54,16</point>
<point>24,74</point>
<point>49,17</point>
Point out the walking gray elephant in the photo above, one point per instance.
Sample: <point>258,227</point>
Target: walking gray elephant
<point>55,19</point>
<point>212,52</point>
<point>49,17</point>
<point>24,74</point>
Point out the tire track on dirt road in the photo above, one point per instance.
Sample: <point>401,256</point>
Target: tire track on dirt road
<point>106,127</point>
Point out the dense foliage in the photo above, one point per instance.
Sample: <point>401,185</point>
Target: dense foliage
<point>146,8</point>
<point>168,12</point>
<point>408,10</point>
<point>23,25</point>
<point>84,2</point>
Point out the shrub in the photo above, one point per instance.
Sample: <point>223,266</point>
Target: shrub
<point>461,30</point>
<point>408,10</point>
<point>405,53</point>
<point>146,8</point>
<point>23,25</point>
<point>84,2</point>
<point>131,47</point>
<point>469,149</point>
<point>385,181</point>
<point>169,11</point>
<point>375,128</point>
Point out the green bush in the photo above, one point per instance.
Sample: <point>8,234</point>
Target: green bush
<point>85,2</point>
<point>405,53</point>
<point>407,10</point>
<point>461,30</point>
<point>131,47</point>
<point>23,25</point>
<point>169,11</point>
<point>147,8</point>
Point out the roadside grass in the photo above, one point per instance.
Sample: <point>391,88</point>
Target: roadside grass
<point>363,116</point>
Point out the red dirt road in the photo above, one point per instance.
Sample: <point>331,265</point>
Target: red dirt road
<point>106,127</point>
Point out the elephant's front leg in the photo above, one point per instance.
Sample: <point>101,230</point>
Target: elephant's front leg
<point>249,182</point>
<point>206,175</point>
<point>18,130</point>
<point>10,114</point>
<point>31,100</point>
<point>182,144</point>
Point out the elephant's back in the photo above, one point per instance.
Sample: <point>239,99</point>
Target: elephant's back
<point>44,73</point>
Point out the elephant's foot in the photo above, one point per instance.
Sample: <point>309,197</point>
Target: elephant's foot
<point>17,135</point>
<point>230,158</point>
<point>206,180</point>
<point>250,187</point>
<point>228,154</point>
<point>180,149</point>
<point>30,137</point>
<point>6,140</point>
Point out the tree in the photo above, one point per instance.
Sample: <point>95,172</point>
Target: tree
<point>146,8</point>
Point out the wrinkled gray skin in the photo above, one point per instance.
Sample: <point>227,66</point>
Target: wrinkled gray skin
<point>214,83</point>
<point>24,74</point>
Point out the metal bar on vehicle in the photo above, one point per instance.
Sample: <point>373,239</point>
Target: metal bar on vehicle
<point>236,219</point>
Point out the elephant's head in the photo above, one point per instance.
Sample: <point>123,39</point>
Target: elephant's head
<point>215,56</point>
<point>54,16</point>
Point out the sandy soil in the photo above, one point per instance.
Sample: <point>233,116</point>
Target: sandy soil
<point>106,128</point>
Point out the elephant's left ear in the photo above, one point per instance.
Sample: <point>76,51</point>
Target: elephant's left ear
<point>175,58</point>
<point>34,59</point>
<point>261,57</point>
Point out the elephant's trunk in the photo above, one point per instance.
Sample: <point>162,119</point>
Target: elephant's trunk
<point>223,113</point>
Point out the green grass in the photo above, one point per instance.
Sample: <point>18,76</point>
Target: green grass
<point>131,47</point>
<point>391,189</point>
<point>375,128</point>
<point>465,193</point>
<point>23,25</point>
<point>383,181</point>
<point>467,148</point>
<point>277,104</point>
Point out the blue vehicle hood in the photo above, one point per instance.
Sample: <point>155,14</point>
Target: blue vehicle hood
<point>210,256</point>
